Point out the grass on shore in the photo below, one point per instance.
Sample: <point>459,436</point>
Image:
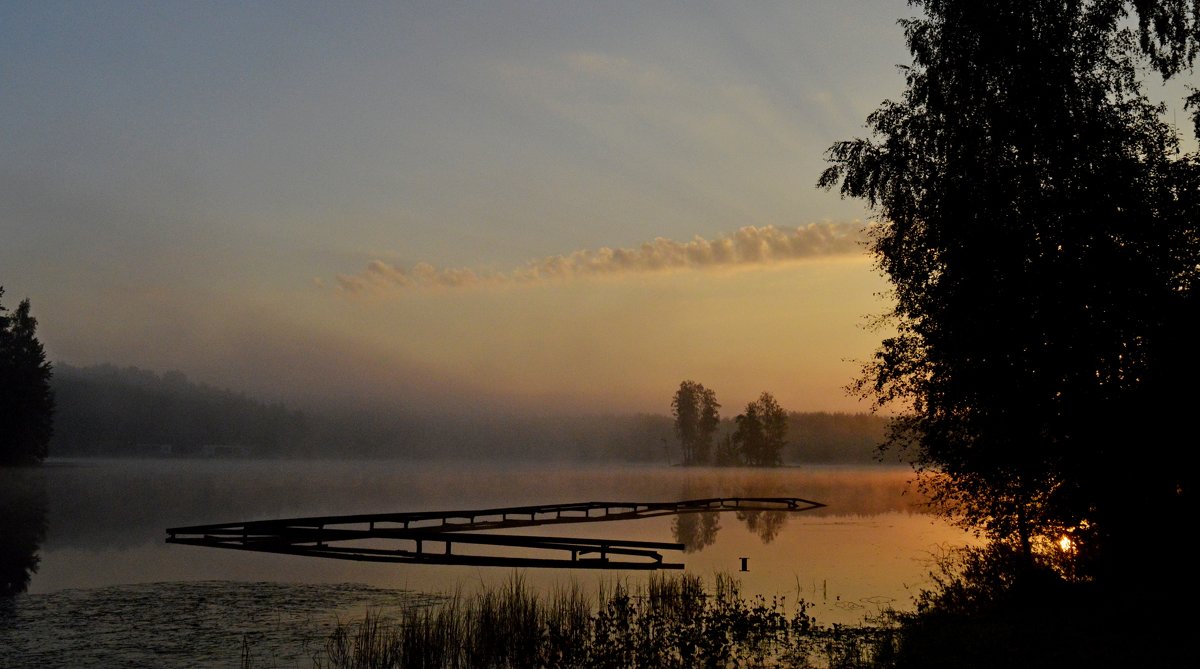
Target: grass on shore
<point>984,611</point>
<point>670,622</point>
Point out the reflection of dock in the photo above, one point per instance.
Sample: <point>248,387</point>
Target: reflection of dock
<point>373,537</point>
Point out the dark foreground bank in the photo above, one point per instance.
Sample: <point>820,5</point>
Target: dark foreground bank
<point>979,616</point>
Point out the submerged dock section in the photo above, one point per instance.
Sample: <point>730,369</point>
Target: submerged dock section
<point>470,537</point>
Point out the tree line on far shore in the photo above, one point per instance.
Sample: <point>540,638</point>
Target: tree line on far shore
<point>110,411</point>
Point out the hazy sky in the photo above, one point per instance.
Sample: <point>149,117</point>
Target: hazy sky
<point>547,205</point>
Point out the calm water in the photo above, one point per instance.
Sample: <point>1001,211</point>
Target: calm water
<point>108,590</point>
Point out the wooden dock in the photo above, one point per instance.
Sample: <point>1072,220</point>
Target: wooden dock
<point>429,537</point>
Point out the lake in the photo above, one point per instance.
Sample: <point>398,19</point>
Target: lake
<point>109,591</point>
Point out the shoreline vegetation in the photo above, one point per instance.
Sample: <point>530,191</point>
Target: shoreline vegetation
<point>979,614</point>
<point>670,621</point>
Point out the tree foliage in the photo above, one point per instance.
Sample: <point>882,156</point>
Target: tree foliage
<point>761,432</point>
<point>26,400</point>
<point>694,408</point>
<point>1039,230</point>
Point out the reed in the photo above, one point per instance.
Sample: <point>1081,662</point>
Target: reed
<point>668,622</point>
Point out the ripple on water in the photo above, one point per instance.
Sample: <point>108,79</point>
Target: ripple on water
<point>197,624</point>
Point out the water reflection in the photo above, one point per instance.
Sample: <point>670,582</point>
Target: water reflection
<point>22,527</point>
<point>696,531</point>
<point>766,524</point>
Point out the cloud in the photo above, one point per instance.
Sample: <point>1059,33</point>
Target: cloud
<point>749,246</point>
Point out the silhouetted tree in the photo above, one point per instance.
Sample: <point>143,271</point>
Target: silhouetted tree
<point>727,453</point>
<point>1039,230</point>
<point>696,419</point>
<point>775,429</point>
<point>748,435</point>
<point>761,432</point>
<point>26,400</point>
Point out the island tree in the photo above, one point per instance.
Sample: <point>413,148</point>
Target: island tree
<point>1038,226</point>
<point>694,408</point>
<point>747,438</point>
<point>761,432</point>
<point>26,399</point>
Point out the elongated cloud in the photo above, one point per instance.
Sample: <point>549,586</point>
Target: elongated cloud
<point>749,246</point>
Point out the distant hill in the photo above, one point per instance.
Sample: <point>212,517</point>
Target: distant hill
<point>107,410</point>
<point>114,411</point>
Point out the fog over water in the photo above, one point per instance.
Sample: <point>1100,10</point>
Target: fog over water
<point>98,504</point>
<point>103,548</point>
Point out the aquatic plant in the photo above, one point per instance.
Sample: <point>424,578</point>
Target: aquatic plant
<point>669,622</point>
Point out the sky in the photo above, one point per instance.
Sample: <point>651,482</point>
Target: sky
<point>506,206</point>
